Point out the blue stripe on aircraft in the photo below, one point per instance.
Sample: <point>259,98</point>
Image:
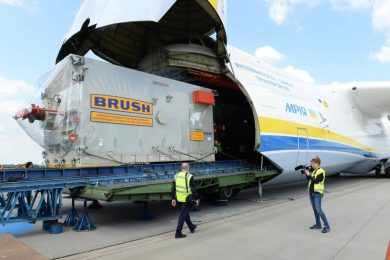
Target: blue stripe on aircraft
<point>277,142</point>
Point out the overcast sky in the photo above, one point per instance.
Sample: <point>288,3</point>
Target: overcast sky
<point>318,41</point>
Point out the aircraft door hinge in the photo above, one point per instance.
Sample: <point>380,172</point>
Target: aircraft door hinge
<point>78,75</point>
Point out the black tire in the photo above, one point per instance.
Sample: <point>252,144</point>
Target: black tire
<point>222,195</point>
<point>226,193</point>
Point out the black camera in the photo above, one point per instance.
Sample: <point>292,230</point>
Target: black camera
<point>302,168</point>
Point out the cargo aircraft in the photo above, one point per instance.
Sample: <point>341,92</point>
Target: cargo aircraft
<point>258,112</point>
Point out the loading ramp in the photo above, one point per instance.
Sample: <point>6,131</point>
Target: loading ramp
<point>35,194</point>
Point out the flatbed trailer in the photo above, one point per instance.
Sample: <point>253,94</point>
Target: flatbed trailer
<point>35,194</point>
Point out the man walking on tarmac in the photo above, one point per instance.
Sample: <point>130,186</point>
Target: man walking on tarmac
<point>316,179</point>
<point>184,194</point>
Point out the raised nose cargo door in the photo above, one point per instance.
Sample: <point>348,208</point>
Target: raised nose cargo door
<point>122,32</point>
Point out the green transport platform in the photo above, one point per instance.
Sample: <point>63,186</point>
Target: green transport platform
<point>35,194</point>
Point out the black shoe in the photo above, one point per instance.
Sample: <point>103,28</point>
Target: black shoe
<point>180,235</point>
<point>193,229</point>
<point>325,230</point>
<point>315,227</point>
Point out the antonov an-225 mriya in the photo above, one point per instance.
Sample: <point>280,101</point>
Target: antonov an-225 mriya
<point>259,113</point>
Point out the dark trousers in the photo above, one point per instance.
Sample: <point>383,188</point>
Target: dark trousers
<point>315,199</point>
<point>184,217</point>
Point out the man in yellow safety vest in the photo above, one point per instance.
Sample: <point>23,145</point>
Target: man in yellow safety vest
<point>184,193</point>
<point>316,187</point>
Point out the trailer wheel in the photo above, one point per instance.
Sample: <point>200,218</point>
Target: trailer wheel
<point>222,195</point>
<point>226,193</point>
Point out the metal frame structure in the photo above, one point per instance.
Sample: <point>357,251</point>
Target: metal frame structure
<point>31,205</point>
<point>35,194</point>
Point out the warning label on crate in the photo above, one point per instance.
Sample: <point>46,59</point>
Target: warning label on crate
<point>197,136</point>
<point>120,119</point>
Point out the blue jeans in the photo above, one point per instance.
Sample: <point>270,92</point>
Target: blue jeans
<point>315,199</point>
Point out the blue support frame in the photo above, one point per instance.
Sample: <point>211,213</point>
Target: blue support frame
<point>30,206</point>
<point>84,223</point>
<point>73,217</point>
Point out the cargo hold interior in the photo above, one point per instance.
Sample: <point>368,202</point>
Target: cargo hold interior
<point>234,126</point>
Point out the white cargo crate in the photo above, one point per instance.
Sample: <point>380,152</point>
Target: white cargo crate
<point>101,114</point>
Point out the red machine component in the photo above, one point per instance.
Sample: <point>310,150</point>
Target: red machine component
<point>35,113</point>
<point>203,97</point>
<point>73,137</point>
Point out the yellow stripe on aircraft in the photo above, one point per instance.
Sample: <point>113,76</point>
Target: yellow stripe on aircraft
<point>214,3</point>
<point>278,126</point>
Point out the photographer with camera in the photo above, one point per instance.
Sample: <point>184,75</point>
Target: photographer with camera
<point>184,193</point>
<point>316,177</point>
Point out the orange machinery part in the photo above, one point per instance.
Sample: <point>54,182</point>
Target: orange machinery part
<point>203,97</point>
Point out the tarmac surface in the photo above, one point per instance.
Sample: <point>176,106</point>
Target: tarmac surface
<point>358,209</point>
